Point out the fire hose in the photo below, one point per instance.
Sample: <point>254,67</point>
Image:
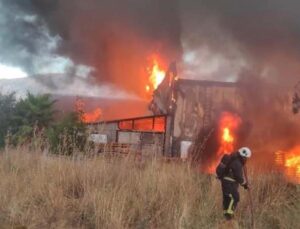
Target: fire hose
<point>250,197</point>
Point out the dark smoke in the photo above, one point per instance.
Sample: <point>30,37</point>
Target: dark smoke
<point>259,35</point>
<point>261,26</point>
<point>115,37</point>
<point>22,37</point>
<point>220,38</point>
<point>267,106</point>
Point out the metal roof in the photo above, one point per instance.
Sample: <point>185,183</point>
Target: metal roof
<point>207,83</point>
<point>127,119</point>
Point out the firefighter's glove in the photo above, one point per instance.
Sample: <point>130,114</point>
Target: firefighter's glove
<point>245,186</point>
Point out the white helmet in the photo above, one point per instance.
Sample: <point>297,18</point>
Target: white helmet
<point>245,152</point>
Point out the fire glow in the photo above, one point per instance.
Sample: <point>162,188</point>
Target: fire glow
<point>227,137</point>
<point>156,75</point>
<point>228,125</point>
<point>87,117</point>
<point>289,162</point>
<point>94,116</point>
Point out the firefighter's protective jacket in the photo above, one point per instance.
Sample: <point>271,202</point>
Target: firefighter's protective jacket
<point>234,172</point>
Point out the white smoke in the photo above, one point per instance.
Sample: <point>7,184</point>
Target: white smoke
<point>26,43</point>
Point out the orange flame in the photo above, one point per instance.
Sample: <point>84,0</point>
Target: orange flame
<point>228,125</point>
<point>87,117</point>
<point>93,116</point>
<point>227,137</point>
<point>156,75</point>
<point>289,161</point>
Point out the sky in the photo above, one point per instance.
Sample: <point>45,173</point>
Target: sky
<point>8,72</point>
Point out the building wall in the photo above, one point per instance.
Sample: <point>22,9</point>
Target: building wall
<point>108,129</point>
<point>148,142</point>
<point>197,107</point>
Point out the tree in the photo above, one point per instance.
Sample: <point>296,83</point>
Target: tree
<point>7,108</point>
<point>67,135</point>
<point>32,115</point>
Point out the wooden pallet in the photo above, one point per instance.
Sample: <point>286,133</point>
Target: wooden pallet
<point>115,148</point>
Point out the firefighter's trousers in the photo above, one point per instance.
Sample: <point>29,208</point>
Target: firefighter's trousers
<point>231,197</point>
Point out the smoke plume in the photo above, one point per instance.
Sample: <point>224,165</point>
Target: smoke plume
<point>230,36</point>
<point>114,38</point>
<point>214,39</point>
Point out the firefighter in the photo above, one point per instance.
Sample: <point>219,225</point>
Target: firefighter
<point>232,178</point>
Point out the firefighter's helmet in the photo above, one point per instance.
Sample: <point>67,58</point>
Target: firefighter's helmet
<point>245,152</point>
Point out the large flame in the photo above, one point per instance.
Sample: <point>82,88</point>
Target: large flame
<point>156,74</point>
<point>228,125</point>
<point>289,161</point>
<point>93,116</point>
<point>87,117</point>
<point>227,140</point>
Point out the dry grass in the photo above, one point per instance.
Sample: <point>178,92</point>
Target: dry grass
<point>38,191</point>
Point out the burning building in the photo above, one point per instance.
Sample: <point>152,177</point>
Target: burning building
<point>192,106</point>
<point>181,109</point>
<point>202,119</point>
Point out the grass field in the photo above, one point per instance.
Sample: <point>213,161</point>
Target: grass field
<point>40,191</point>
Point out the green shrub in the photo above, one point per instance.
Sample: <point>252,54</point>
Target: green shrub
<point>67,135</point>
